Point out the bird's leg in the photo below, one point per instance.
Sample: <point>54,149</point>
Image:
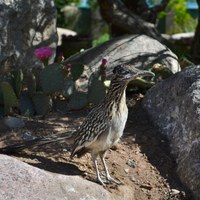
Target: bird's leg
<point>108,177</point>
<point>94,158</point>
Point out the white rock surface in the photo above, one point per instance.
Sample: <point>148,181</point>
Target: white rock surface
<point>138,50</point>
<point>174,106</point>
<point>20,181</point>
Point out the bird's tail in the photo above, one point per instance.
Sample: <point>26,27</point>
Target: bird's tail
<point>39,141</point>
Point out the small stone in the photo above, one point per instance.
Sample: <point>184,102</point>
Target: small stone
<point>174,192</point>
<point>131,163</point>
<point>65,150</point>
<point>146,186</point>
<point>14,122</point>
<point>36,160</point>
<point>133,178</point>
<point>85,174</point>
<point>152,167</point>
<point>28,137</point>
<point>126,170</point>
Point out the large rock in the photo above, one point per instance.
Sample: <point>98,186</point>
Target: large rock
<point>139,50</point>
<point>174,106</point>
<point>24,26</point>
<point>19,181</point>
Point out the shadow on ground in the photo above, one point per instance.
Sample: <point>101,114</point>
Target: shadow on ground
<point>154,175</point>
<point>154,145</point>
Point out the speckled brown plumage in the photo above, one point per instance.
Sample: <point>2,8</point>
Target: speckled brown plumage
<point>105,124</point>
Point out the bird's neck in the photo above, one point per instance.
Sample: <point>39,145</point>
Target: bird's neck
<point>116,95</point>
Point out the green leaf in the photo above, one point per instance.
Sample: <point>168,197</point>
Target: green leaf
<point>52,78</point>
<point>78,100</point>
<point>77,70</point>
<point>42,103</point>
<point>9,96</point>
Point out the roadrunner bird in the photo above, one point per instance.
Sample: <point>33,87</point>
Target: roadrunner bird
<point>105,124</point>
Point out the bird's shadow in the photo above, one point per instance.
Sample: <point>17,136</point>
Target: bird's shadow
<point>65,168</point>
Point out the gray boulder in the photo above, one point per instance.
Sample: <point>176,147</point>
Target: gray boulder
<point>25,26</point>
<point>19,181</point>
<point>174,106</point>
<point>139,50</point>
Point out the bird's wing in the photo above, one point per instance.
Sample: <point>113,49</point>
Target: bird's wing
<point>89,131</point>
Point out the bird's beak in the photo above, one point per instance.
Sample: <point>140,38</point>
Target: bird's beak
<point>141,73</point>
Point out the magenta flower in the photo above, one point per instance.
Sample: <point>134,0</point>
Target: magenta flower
<point>43,53</point>
<point>104,61</point>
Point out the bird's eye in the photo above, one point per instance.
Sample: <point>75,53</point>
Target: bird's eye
<point>124,72</point>
<point>120,70</point>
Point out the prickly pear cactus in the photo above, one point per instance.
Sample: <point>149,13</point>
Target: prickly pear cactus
<point>76,71</point>
<point>60,105</point>
<point>42,103</point>
<point>77,101</point>
<point>96,88</point>
<point>31,83</point>
<point>96,91</point>
<point>69,87</point>
<point>26,105</point>
<point>9,96</point>
<point>52,78</point>
<point>18,81</point>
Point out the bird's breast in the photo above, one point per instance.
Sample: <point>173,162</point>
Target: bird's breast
<point>113,134</point>
<point>118,123</point>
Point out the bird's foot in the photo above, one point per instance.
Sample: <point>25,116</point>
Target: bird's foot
<point>102,175</point>
<point>100,181</point>
<point>110,179</point>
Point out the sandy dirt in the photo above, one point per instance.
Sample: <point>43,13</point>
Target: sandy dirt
<point>142,159</point>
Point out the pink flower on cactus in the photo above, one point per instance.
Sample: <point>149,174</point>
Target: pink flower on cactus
<point>43,53</point>
<point>104,61</point>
